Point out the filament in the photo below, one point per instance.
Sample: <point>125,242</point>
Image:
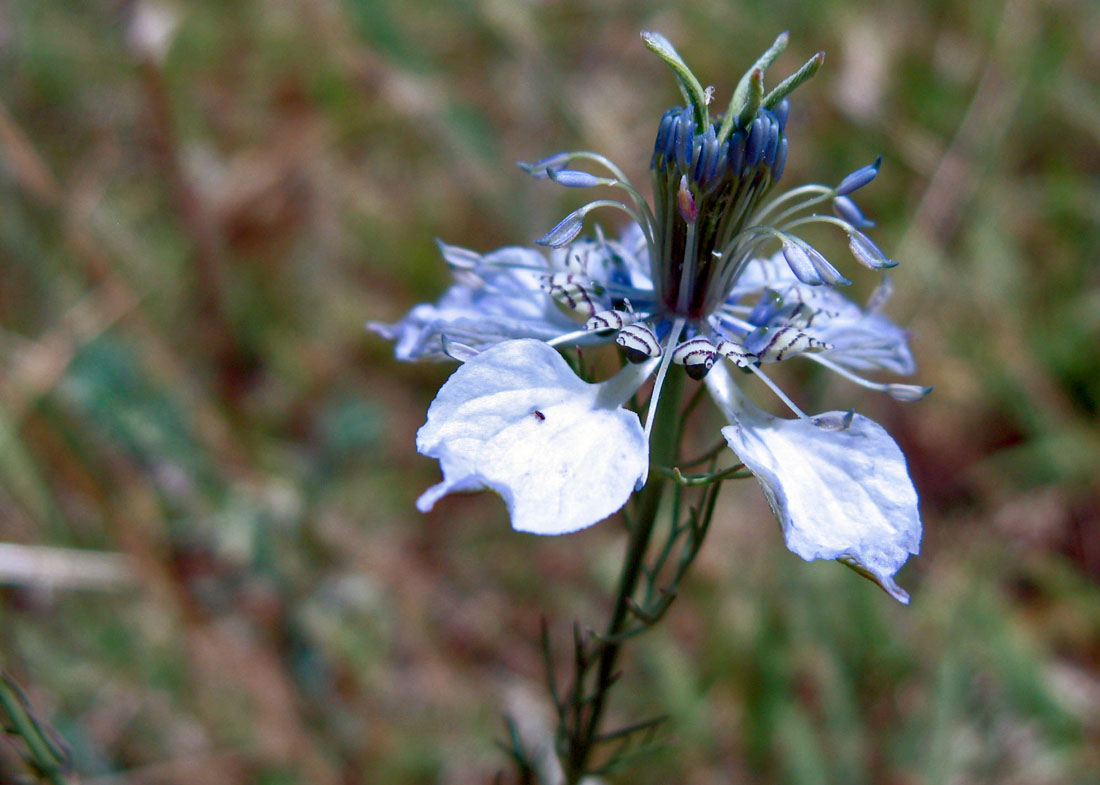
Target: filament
<point>782,395</point>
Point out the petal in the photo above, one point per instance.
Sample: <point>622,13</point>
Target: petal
<point>860,339</point>
<point>498,297</point>
<point>488,305</point>
<point>562,453</point>
<point>864,340</point>
<point>838,494</point>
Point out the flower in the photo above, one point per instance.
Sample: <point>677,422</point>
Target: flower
<point>711,278</point>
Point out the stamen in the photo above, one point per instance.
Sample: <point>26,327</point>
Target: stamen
<point>799,254</point>
<point>737,253</point>
<point>638,342</point>
<point>782,395</point>
<point>733,321</point>
<point>688,270</point>
<point>863,249</point>
<point>570,226</point>
<point>540,169</point>
<point>605,321</point>
<point>816,194</point>
<point>666,361</point>
<point>569,338</point>
<point>846,209</point>
<point>576,178</point>
<point>859,178</point>
<point>899,392</point>
<point>867,253</point>
<point>543,168</point>
<point>697,355</point>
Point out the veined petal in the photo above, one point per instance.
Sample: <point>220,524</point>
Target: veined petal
<point>862,339</point>
<point>562,453</point>
<point>867,342</point>
<point>489,304</point>
<point>499,296</point>
<point>838,494</point>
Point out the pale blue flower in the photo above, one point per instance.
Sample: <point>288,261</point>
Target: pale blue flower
<point>711,275</point>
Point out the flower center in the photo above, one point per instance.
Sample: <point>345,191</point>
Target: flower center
<point>706,189</point>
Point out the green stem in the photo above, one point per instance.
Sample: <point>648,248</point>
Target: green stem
<point>663,452</point>
<point>42,755</point>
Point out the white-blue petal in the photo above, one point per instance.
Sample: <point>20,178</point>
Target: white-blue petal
<point>562,453</point>
<point>838,494</point>
<point>861,339</point>
<point>488,306</point>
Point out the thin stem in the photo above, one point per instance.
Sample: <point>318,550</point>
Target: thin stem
<point>663,452</point>
<point>43,754</point>
<point>737,472</point>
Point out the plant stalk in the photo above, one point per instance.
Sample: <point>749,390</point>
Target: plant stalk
<point>664,450</point>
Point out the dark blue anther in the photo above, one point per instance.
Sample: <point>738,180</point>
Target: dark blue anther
<point>708,157</point>
<point>664,133</point>
<point>773,140</point>
<point>737,153</point>
<point>754,147</point>
<point>859,178</point>
<point>781,110</point>
<point>698,156</point>
<point>670,139</point>
<point>780,160</point>
<point>685,135</point>
<point>844,207</point>
<point>720,164</point>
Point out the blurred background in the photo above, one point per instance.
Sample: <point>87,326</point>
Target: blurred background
<point>212,568</point>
